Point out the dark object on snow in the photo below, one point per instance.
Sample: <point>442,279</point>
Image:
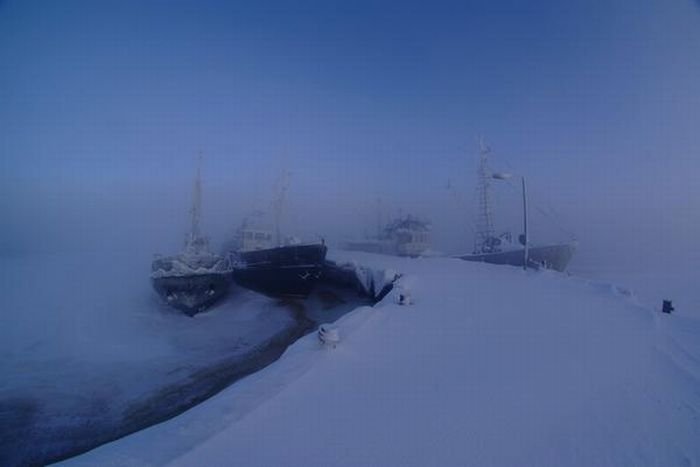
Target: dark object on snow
<point>667,306</point>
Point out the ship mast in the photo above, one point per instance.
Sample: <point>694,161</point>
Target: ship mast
<point>197,200</point>
<point>484,225</point>
<point>281,187</point>
<point>379,218</point>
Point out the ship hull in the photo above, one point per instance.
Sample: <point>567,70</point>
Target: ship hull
<point>192,294</point>
<point>282,272</point>
<point>556,257</point>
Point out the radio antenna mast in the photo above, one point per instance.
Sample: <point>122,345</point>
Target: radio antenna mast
<point>484,225</point>
<point>281,187</point>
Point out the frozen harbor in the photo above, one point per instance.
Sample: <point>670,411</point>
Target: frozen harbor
<point>490,365</point>
<point>564,134</point>
<point>93,357</point>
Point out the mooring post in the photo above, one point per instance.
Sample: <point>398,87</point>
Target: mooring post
<point>667,306</point>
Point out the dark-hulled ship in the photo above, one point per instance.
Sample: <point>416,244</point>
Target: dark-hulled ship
<point>267,264</point>
<point>489,248</point>
<point>289,271</point>
<point>196,278</point>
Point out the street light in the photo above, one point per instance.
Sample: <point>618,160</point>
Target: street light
<point>506,176</point>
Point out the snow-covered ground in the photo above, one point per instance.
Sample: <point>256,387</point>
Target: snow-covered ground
<point>490,365</point>
<point>679,284</point>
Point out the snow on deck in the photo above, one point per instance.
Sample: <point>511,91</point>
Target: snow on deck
<point>490,366</point>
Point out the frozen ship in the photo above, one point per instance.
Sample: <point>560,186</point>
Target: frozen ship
<point>501,249</point>
<point>196,278</point>
<point>263,262</point>
<point>283,271</point>
<point>404,236</point>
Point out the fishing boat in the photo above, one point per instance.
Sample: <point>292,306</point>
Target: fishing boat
<point>287,271</point>
<point>196,278</point>
<point>404,236</point>
<point>265,262</point>
<point>502,249</point>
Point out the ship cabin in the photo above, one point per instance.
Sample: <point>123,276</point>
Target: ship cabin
<point>251,239</point>
<point>411,236</point>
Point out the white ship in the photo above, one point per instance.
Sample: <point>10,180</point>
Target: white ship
<point>501,249</point>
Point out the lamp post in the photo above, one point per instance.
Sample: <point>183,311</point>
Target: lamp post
<point>506,176</point>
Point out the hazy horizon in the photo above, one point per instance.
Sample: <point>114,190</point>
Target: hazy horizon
<point>104,107</point>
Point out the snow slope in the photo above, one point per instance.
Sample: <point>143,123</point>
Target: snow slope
<point>490,366</point>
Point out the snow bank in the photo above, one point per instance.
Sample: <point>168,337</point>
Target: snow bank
<point>650,278</point>
<point>490,366</point>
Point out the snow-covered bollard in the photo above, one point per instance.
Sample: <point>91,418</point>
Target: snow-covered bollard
<point>328,335</point>
<point>402,296</point>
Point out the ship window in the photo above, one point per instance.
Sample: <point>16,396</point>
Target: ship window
<point>259,235</point>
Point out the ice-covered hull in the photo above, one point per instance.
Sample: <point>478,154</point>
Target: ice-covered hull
<point>282,282</point>
<point>288,271</point>
<point>556,257</point>
<point>196,278</point>
<point>191,281</point>
<point>192,294</point>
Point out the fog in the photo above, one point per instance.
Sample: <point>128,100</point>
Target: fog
<point>373,108</point>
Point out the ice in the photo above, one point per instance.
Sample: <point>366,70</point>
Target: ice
<point>491,365</point>
<point>90,353</point>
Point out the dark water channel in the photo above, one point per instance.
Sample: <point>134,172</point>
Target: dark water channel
<point>117,401</point>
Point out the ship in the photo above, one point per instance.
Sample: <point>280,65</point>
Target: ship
<point>403,236</point>
<point>264,262</point>
<point>287,271</point>
<point>196,278</point>
<point>502,249</point>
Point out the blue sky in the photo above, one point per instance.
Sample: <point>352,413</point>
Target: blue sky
<point>596,102</point>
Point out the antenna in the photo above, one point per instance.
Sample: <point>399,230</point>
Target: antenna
<point>484,227</point>
<point>379,217</point>
<point>281,187</point>
<point>197,199</point>
<point>483,147</point>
